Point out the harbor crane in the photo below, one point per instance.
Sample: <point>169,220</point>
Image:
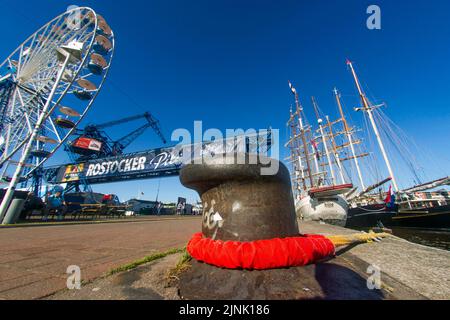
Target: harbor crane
<point>93,142</point>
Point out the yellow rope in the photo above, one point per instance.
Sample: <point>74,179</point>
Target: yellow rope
<point>345,240</point>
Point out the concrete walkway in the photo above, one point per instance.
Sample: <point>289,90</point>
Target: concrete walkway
<point>33,261</point>
<point>425,270</point>
<point>408,271</point>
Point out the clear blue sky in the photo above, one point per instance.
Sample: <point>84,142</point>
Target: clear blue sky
<point>227,63</point>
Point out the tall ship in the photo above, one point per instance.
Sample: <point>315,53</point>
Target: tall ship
<point>345,175</point>
<point>422,205</point>
<point>319,193</point>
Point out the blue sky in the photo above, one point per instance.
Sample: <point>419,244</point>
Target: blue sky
<point>227,63</point>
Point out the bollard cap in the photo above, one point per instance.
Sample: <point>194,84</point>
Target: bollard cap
<point>240,203</point>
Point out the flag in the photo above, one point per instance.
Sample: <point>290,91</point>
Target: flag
<point>314,144</point>
<point>388,199</point>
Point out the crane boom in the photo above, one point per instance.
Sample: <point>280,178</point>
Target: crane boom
<point>121,121</point>
<point>93,141</point>
<point>155,126</point>
<point>125,141</point>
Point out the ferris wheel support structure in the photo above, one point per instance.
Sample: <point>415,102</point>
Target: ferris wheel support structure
<point>26,153</point>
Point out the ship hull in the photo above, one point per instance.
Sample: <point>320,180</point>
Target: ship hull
<point>371,216</point>
<point>332,210</point>
<point>433,218</point>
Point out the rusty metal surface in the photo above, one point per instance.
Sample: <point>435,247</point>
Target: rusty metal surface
<point>241,204</point>
<point>338,279</point>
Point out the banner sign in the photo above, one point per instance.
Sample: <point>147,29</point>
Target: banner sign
<point>88,143</point>
<point>124,167</point>
<point>72,173</point>
<point>142,165</point>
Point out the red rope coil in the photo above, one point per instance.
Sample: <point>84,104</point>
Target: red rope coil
<point>261,254</point>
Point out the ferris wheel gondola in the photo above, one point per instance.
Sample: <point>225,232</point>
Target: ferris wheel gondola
<point>47,85</point>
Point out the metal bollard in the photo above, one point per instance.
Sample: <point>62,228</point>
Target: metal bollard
<point>14,210</point>
<point>241,204</point>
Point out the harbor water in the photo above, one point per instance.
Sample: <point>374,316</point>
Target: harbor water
<point>438,238</point>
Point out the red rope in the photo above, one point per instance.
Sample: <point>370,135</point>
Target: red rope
<point>261,254</point>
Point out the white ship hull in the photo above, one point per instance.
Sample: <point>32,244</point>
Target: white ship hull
<point>332,210</point>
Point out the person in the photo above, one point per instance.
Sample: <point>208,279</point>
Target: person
<point>180,208</point>
<point>56,203</point>
<point>31,203</point>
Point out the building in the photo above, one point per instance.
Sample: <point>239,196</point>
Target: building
<point>148,207</point>
<point>145,207</point>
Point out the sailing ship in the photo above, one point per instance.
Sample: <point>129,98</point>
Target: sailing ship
<point>318,195</point>
<point>411,207</point>
<point>325,190</point>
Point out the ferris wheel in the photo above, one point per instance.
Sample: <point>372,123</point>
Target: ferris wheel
<point>47,85</point>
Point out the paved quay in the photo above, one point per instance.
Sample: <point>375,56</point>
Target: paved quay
<point>33,260</point>
<point>424,270</point>
<point>407,271</point>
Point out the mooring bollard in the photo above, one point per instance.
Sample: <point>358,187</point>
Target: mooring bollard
<point>241,207</point>
<point>250,246</point>
<point>14,210</point>
<point>12,214</point>
<point>239,203</point>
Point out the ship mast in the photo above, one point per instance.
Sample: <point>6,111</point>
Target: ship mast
<point>316,156</point>
<point>296,158</point>
<point>369,110</point>
<point>324,141</point>
<point>335,150</point>
<point>299,110</point>
<point>349,138</point>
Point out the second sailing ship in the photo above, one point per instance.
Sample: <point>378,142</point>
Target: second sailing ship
<point>325,190</point>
